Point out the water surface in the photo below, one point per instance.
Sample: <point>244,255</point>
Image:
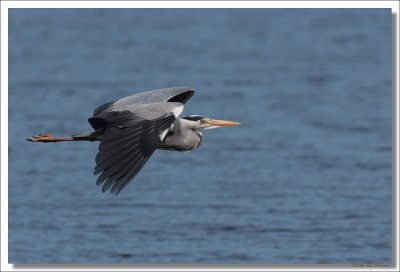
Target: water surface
<point>306,178</point>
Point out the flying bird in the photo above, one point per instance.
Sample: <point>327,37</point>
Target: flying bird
<point>132,128</point>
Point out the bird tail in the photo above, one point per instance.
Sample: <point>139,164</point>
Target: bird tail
<point>90,135</point>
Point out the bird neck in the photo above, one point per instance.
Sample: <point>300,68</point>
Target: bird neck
<point>187,124</point>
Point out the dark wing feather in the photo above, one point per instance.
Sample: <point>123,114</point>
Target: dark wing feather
<point>126,145</point>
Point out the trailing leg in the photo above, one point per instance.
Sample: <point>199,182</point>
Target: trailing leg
<point>48,138</point>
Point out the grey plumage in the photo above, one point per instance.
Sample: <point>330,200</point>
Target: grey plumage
<point>132,128</point>
<point>175,94</point>
<point>181,138</point>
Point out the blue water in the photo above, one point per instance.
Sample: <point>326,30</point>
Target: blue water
<point>306,178</point>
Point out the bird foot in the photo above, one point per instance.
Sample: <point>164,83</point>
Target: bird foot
<point>44,138</point>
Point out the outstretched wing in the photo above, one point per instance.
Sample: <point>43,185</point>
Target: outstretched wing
<point>127,143</point>
<point>174,94</point>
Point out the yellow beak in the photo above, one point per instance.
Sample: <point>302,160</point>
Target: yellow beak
<point>215,122</point>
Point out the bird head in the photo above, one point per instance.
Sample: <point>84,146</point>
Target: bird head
<point>198,122</point>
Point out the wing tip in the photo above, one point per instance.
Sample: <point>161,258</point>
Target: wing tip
<point>111,176</point>
<point>182,96</point>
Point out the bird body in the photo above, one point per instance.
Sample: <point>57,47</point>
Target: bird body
<point>178,138</point>
<point>132,128</point>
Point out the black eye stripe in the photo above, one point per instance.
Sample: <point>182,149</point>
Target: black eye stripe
<point>193,118</point>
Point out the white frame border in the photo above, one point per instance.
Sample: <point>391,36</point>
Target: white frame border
<point>5,5</point>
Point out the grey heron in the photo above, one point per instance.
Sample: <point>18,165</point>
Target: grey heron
<point>132,128</point>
